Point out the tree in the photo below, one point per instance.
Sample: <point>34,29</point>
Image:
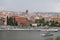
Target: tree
<point>58,25</point>
<point>51,23</point>
<point>47,23</point>
<point>40,22</point>
<point>31,25</point>
<point>14,22</point>
<point>7,21</point>
<point>37,20</point>
<point>11,21</point>
<point>57,38</point>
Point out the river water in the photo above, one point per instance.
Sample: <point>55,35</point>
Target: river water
<point>24,35</point>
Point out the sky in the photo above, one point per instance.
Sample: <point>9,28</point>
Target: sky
<point>31,5</point>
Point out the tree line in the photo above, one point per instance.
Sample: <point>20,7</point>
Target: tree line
<point>43,22</point>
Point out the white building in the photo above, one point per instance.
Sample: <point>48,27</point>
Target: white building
<point>35,25</point>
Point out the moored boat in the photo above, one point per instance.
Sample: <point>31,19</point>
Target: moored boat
<point>46,34</point>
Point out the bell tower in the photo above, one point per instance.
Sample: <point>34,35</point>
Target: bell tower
<point>26,11</point>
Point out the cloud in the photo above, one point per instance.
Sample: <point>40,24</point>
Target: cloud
<point>31,5</point>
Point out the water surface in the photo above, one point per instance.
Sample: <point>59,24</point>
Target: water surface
<point>24,35</point>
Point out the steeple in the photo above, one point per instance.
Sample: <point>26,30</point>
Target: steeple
<point>26,11</point>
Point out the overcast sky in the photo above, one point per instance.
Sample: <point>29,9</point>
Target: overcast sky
<point>31,5</point>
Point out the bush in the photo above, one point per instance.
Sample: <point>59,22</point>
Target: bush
<point>58,38</point>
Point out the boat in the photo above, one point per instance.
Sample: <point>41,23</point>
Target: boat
<point>54,30</point>
<point>46,34</point>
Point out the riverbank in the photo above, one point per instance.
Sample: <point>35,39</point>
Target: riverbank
<point>30,28</point>
<point>33,29</point>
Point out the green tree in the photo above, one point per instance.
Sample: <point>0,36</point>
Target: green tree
<point>58,24</point>
<point>51,23</point>
<point>40,22</point>
<point>57,38</point>
<point>8,20</point>
<point>11,21</point>
<point>47,23</point>
<point>14,22</point>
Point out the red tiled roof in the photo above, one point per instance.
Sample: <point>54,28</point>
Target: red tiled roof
<point>56,19</point>
<point>22,20</point>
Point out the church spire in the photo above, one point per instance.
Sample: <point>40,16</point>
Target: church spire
<point>26,11</point>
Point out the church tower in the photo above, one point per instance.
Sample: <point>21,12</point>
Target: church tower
<point>26,11</point>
